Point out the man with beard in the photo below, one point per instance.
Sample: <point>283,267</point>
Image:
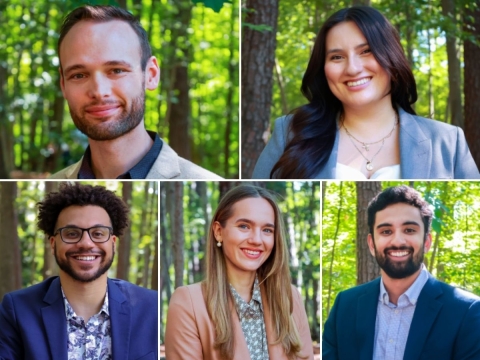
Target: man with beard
<point>106,64</point>
<point>81,314</point>
<point>406,313</point>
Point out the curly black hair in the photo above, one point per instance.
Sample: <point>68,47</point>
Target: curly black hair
<point>81,195</point>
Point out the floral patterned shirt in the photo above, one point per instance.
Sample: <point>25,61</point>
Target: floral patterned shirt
<point>253,324</point>
<point>91,340</point>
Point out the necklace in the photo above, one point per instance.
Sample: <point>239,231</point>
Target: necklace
<point>369,165</point>
<point>366,145</point>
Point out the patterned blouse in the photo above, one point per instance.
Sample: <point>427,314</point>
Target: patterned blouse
<point>90,341</point>
<point>253,324</point>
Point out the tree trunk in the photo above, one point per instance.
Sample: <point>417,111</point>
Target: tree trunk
<point>10,266</point>
<point>367,267</point>
<point>258,59</point>
<point>472,87</point>
<point>124,244</point>
<point>49,264</point>
<point>178,241</point>
<point>178,112</point>
<point>455,95</point>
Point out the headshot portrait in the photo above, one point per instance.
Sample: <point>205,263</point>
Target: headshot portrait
<point>383,97</point>
<point>239,280</point>
<point>80,275</point>
<point>137,91</point>
<point>400,272</point>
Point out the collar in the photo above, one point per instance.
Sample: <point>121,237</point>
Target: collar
<point>139,171</point>
<point>70,313</point>
<point>409,297</point>
<point>241,305</point>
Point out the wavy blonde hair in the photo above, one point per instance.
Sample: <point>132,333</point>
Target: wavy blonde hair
<point>273,275</point>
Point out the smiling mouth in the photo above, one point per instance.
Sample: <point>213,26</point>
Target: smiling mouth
<point>399,253</point>
<point>252,253</point>
<point>358,82</point>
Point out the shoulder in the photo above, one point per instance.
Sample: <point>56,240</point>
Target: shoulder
<point>133,293</point>
<point>350,296</point>
<point>189,170</point>
<point>70,172</point>
<point>187,293</point>
<point>430,127</point>
<point>283,123</point>
<point>452,293</point>
<point>33,292</point>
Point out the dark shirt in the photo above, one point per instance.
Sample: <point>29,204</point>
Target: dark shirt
<point>139,171</point>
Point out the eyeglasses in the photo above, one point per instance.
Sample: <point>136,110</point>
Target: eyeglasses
<point>73,234</point>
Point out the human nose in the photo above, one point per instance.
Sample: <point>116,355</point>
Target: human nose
<point>398,239</point>
<point>354,65</point>
<point>256,237</point>
<point>85,239</point>
<point>99,86</point>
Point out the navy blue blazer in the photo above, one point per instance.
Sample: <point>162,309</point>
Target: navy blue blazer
<point>33,324</point>
<point>445,324</point>
<point>429,149</point>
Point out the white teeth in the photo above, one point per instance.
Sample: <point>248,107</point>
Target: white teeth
<point>87,258</point>
<point>399,253</point>
<point>250,252</point>
<point>359,82</point>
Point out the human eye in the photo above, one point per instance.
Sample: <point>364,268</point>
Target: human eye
<point>118,71</point>
<point>71,233</point>
<point>410,230</point>
<point>366,51</point>
<point>335,57</point>
<point>77,76</point>
<point>243,226</point>
<point>99,232</point>
<point>268,230</point>
<point>386,232</point>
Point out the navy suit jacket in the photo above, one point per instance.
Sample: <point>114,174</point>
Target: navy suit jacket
<point>445,324</point>
<point>33,324</point>
<point>429,149</point>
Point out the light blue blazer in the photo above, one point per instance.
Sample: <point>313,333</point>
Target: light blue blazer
<point>429,149</point>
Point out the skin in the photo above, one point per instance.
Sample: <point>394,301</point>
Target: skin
<point>399,228</point>
<point>368,112</point>
<point>104,85</point>
<point>85,290</point>
<point>247,241</point>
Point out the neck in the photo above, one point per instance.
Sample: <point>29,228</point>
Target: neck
<point>243,283</point>
<point>370,123</point>
<point>396,287</point>
<point>86,299</point>
<point>111,158</point>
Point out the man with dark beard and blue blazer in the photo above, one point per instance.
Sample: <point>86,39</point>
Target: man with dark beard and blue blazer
<point>81,314</point>
<point>406,313</point>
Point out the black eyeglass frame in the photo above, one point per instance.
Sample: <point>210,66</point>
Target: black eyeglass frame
<point>59,231</point>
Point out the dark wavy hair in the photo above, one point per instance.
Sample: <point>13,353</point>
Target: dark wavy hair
<point>313,126</point>
<point>104,13</point>
<point>81,195</point>
<point>399,195</point>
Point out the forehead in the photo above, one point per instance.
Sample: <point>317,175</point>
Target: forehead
<point>344,34</point>
<point>92,43</point>
<point>83,216</point>
<point>398,214</point>
<point>257,209</point>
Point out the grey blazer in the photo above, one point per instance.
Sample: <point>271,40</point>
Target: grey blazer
<point>429,149</point>
<point>168,165</point>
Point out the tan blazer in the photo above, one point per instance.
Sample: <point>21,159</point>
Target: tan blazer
<point>190,333</point>
<point>168,165</point>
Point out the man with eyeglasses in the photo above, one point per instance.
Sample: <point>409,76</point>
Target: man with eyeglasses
<point>81,314</point>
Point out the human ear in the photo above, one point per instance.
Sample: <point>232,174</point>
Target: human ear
<point>371,245</point>
<point>217,231</point>
<point>152,73</point>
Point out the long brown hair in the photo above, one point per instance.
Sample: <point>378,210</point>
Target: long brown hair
<point>313,125</point>
<point>274,276</point>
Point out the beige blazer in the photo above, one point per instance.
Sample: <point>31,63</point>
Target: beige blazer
<point>167,166</point>
<point>190,333</point>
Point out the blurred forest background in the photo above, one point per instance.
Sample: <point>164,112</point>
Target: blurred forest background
<point>26,252</point>
<point>187,209</point>
<point>346,260</point>
<point>195,107</point>
<point>441,39</point>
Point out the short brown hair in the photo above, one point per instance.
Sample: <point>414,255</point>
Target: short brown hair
<point>104,13</point>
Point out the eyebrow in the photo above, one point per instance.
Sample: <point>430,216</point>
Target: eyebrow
<point>338,50</point>
<point>108,63</point>
<point>248,221</point>
<point>410,222</point>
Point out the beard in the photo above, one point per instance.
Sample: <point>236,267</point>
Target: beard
<point>102,129</point>
<point>66,266</point>
<point>403,269</point>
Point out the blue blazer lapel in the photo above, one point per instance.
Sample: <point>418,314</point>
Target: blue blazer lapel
<point>366,320</point>
<point>119,320</point>
<point>415,148</point>
<point>55,321</point>
<point>426,311</point>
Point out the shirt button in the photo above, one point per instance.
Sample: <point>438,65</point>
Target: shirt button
<point>396,311</point>
<point>390,341</point>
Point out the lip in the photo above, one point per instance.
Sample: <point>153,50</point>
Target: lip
<point>102,110</point>
<point>85,258</point>
<point>360,86</point>
<point>252,253</point>
<point>399,255</point>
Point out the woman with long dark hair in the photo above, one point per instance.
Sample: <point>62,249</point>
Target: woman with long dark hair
<point>359,122</point>
<point>246,308</point>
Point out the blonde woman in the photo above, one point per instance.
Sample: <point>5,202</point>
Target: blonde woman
<point>246,307</point>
